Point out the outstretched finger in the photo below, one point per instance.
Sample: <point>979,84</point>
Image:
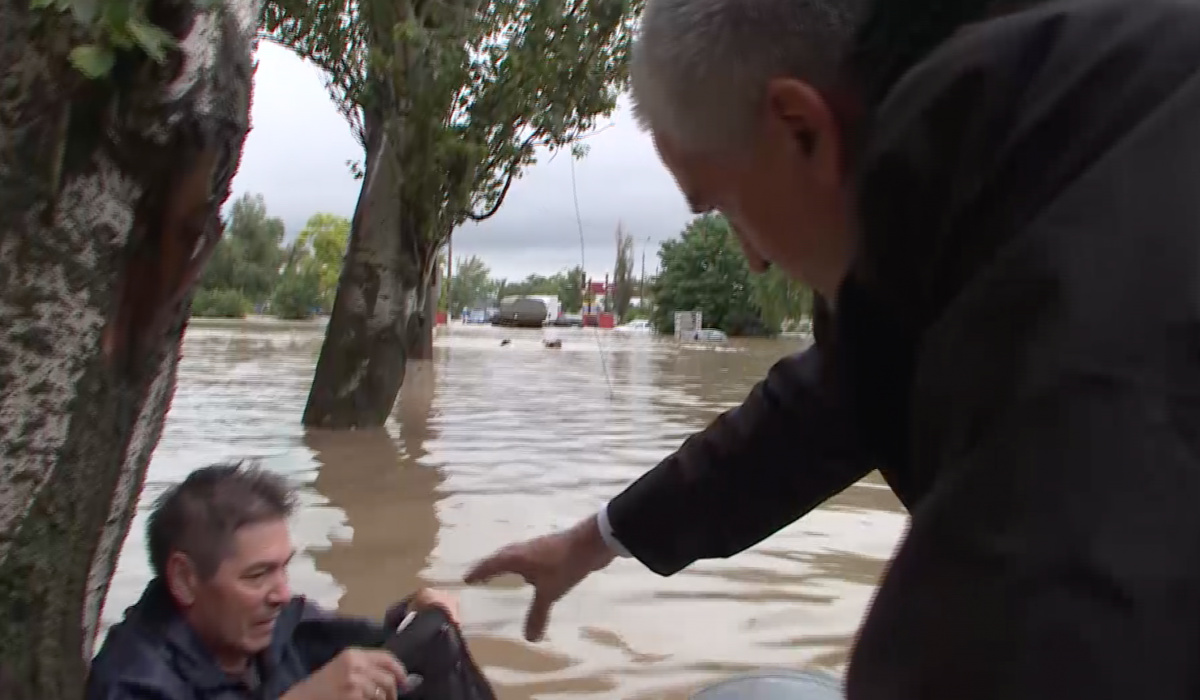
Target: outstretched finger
<point>538,616</point>
<point>503,562</point>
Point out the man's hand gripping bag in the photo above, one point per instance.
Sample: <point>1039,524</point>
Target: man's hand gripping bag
<point>431,646</point>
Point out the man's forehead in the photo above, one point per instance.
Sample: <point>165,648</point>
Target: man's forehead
<point>267,540</point>
<point>677,164</point>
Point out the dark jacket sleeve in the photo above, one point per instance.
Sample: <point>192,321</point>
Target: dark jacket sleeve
<point>756,468</point>
<point>321,635</point>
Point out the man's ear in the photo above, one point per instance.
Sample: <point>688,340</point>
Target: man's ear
<point>802,111</point>
<point>183,579</point>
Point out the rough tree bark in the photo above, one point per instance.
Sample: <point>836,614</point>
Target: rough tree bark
<point>379,305</point>
<point>110,192</point>
<point>420,346</point>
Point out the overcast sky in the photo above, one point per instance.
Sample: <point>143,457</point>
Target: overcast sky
<point>297,149</point>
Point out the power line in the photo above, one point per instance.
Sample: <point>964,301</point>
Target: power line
<point>583,263</point>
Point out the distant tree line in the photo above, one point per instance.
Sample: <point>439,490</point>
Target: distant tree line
<point>705,270</point>
<point>254,271</point>
<point>471,285</point>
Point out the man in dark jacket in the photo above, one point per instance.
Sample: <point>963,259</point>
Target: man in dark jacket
<point>1015,279</point>
<point>218,622</point>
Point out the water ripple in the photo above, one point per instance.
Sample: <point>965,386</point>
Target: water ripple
<point>492,443</point>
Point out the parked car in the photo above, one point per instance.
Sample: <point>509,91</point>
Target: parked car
<point>640,325</point>
<point>708,335</point>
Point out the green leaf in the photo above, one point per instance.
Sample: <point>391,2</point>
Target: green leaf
<point>40,4</point>
<point>119,36</point>
<point>115,15</point>
<point>84,10</point>
<point>152,39</point>
<point>92,60</point>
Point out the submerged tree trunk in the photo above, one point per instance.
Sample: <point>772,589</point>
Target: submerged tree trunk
<point>110,193</point>
<point>362,360</point>
<point>421,339</point>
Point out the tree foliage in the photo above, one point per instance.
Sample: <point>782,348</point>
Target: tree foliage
<point>466,90</point>
<point>252,267</point>
<point>247,258</point>
<point>325,236</point>
<point>220,303</point>
<point>780,299</point>
<point>469,286</point>
<point>298,294</point>
<point>113,27</point>
<point>570,289</point>
<point>704,269</point>
<point>622,282</point>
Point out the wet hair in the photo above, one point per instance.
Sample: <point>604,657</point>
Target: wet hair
<point>200,515</point>
<point>896,35</point>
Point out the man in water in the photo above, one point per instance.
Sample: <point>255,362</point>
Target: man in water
<point>1002,216</point>
<point>219,621</point>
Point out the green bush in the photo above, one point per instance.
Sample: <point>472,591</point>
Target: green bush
<point>220,303</point>
<point>298,294</point>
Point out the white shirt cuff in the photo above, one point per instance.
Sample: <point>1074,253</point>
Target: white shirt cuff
<point>606,532</point>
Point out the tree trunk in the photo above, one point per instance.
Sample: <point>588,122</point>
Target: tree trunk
<point>421,342</point>
<point>110,192</point>
<point>362,360</point>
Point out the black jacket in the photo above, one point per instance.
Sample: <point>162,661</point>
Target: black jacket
<point>1018,352</point>
<point>152,654</point>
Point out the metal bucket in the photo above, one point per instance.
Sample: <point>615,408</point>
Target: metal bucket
<point>775,685</point>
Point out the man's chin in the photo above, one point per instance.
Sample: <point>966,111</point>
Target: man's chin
<point>259,637</point>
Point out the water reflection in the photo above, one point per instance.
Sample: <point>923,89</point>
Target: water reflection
<point>491,443</point>
<point>389,503</point>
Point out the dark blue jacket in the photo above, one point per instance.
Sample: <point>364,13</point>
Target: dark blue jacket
<point>153,654</point>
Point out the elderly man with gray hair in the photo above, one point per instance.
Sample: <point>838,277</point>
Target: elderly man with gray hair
<point>996,199</point>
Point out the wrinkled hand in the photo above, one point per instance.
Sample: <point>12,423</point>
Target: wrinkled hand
<point>552,564</point>
<point>354,674</point>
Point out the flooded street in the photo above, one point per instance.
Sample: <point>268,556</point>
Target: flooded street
<point>490,444</point>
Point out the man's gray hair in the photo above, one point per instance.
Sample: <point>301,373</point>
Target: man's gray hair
<point>700,68</point>
<point>201,515</point>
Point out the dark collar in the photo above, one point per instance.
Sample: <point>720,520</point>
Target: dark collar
<point>157,616</point>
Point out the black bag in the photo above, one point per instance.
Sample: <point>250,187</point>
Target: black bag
<point>431,646</point>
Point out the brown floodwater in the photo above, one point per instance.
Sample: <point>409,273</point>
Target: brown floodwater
<point>490,444</point>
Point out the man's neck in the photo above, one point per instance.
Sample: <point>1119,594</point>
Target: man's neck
<point>235,665</point>
<point>232,662</point>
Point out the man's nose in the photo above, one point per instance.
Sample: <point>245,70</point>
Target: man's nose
<point>281,592</point>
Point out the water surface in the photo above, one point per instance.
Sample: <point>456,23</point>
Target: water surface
<point>490,444</point>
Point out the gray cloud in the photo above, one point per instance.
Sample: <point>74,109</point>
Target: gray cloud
<point>296,153</point>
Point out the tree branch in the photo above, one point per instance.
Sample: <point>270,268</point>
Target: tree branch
<point>513,167</point>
